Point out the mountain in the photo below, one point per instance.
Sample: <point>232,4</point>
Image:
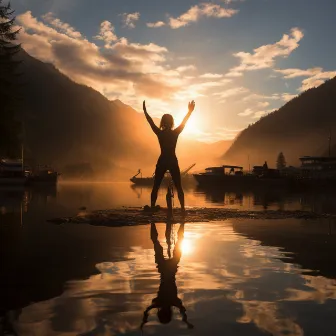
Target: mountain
<point>66,122</point>
<point>69,123</point>
<point>301,127</point>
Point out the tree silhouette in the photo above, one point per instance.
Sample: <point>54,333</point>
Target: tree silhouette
<point>281,161</point>
<point>10,125</point>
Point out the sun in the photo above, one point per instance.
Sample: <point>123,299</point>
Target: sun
<point>192,127</point>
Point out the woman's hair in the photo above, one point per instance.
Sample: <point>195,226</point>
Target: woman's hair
<point>165,315</point>
<point>167,121</point>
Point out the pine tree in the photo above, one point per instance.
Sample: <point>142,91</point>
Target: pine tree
<point>281,161</point>
<point>10,128</point>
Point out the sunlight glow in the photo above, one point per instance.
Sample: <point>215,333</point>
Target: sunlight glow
<point>192,128</point>
<point>187,246</point>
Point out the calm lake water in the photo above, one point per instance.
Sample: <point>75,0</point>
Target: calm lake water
<point>234,277</point>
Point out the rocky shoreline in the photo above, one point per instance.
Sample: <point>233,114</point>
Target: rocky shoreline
<point>137,216</point>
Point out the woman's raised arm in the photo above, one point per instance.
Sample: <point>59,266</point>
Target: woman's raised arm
<point>155,129</point>
<point>191,107</point>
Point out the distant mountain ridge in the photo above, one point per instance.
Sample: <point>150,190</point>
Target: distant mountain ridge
<point>65,122</point>
<point>301,127</point>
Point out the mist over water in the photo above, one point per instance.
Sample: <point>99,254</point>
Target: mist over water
<point>68,197</point>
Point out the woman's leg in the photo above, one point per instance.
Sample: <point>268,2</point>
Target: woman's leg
<point>168,234</point>
<point>159,175</point>
<point>177,253</point>
<point>158,249</point>
<point>176,176</point>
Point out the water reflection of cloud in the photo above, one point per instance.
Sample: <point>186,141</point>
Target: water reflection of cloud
<point>318,289</point>
<point>267,317</point>
<point>226,280</point>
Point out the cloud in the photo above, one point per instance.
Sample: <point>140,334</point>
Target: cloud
<point>155,24</point>
<point>230,93</point>
<point>229,130</point>
<point>274,96</point>
<point>223,133</point>
<point>217,134</point>
<point>185,68</point>
<point>293,73</point>
<point>205,9</point>
<point>287,96</point>
<point>254,114</point>
<point>263,104</point>
<point>246,113</point>
<point>195,90</point>
<point>227,2</point>
<point>234,73</point>
<point>148,54</point>
<point>264,56</point>
<point>316,76</point>
<point>120,66</point>
<point>260,114</point>
<point>316,81</point>
<point>129,19</point>
<point>208,84</point>
<point>63,27</point>
<point>106,34</point>
<point>211,76</point>
<point>254,96</point>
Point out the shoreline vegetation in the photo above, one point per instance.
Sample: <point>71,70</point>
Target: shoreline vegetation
<point>131,216</point>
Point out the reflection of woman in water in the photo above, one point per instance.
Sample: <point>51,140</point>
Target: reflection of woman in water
<point>167,294</point>
<point>168,161</point>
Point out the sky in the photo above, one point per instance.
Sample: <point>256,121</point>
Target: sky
<point>238,59</point>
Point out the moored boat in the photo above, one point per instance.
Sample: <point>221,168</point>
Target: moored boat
<point>223,175</point>
<point>314,172</point>
<point>228,175</point>
<point>149,181</point>
<point>12,172</point>
<point>317,172</point>
<point>43,174</point>
<point>318,167</point>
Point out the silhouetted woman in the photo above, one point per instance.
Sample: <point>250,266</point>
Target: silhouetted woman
<point>168,161</point>
<point>167,294</point>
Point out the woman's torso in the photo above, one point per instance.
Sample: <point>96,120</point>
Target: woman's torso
<point>168,141</point>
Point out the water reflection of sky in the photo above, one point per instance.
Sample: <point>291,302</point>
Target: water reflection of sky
<point>229,284</point>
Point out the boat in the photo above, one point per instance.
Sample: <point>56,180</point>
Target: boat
<point>149,181</point>
<point>13,172</point>
<point>43,174</point>
<point>234,176</point>
<point>319,167</point>
<point>317,171</point>
<point>223,175</point>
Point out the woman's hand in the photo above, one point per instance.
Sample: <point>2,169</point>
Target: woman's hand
<point>144,106</point>
<point>191,106</point>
